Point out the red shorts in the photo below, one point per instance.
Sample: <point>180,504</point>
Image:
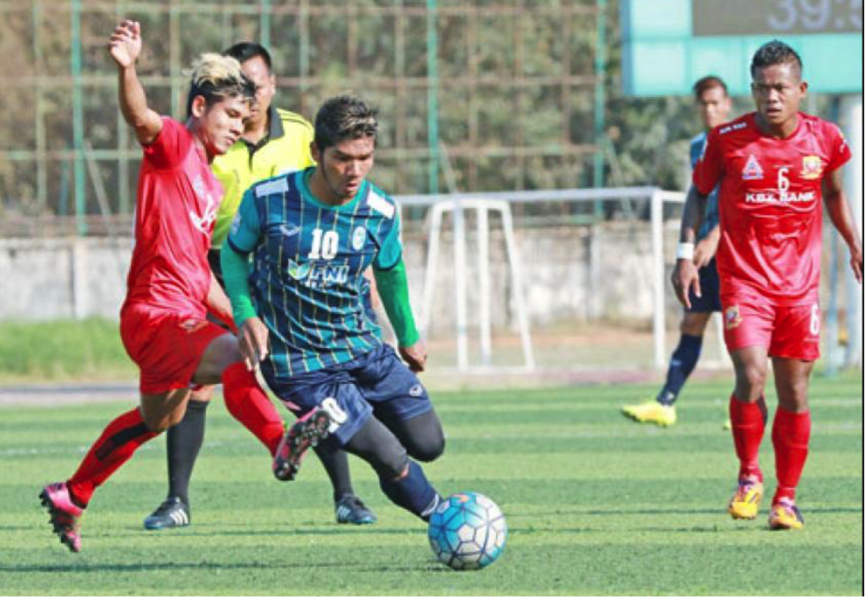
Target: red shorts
<point>166,346</point>
<point>789,332</point>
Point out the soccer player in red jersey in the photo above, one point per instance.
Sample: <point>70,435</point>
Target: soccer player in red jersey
<point>171,289</point>
<point>777,167</point>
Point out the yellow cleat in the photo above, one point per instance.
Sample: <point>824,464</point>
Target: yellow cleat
<point>785,516</point>
<point>746,503</point>
<point>651,412</point>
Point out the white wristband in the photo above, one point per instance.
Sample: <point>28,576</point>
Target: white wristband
<point>685,251</point>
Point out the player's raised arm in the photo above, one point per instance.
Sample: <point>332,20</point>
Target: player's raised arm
<point>124,45</point>
<point>685,275</point>
<point>842,218</point>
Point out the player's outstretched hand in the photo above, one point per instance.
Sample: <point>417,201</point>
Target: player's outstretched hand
<point>415,356</point>
<point>253,342</point>
<point>685,277</point>
<point>124,45</point>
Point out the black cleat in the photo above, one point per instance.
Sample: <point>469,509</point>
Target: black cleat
<point>351,510</point>
<point>300,437</point>
<point>171,514</point>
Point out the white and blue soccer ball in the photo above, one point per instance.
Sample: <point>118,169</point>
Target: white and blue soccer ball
<point>467,531</point>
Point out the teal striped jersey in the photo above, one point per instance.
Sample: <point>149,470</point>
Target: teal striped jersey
<point>307,280</point>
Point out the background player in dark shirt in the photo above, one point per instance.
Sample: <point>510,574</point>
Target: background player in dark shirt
<point>714,104</point>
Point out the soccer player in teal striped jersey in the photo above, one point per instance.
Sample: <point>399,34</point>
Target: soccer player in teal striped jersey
<point>299,304</point>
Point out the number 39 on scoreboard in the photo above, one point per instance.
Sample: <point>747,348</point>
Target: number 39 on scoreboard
<point>776,17</point>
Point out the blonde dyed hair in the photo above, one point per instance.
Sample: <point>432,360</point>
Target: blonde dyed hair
<point>216,77</point>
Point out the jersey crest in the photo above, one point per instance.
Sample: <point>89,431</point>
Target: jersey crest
<point>812,167</point>
<point>753,170</point>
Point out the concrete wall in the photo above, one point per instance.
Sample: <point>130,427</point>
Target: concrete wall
<point>65,278</point>
<point>43,279</point>
<point>559,281</point>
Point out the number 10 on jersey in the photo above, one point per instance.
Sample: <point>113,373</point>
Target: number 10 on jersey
<point>325,245</point>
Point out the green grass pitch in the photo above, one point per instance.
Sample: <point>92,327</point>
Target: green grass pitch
<point>595,504</point>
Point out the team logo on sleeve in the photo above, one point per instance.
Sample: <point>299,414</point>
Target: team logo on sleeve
<point>732,318</point>
<point>358,238</point>
<point>753,170</point>
<point>812,167</point>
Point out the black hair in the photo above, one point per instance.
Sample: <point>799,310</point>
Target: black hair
<point>246,50</point>
<point>707,83</point>
<point>776,52</point>
<point>344,117</point>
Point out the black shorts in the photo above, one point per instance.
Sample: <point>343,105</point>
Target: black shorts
<point>710,287</point>
<point>213,258</point>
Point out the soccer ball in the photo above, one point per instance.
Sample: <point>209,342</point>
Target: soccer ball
<point>467,531</point>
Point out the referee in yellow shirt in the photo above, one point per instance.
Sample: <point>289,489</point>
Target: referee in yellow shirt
<point>274,142</point>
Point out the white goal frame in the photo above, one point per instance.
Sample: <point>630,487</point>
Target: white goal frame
<point>500,202</point>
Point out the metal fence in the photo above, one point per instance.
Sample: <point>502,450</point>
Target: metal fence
<point>511,87</point>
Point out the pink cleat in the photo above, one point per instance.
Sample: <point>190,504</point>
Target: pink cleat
<point>65,515</point>
<point>300,437</point>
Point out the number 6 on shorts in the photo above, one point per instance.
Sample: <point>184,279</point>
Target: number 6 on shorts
<point>337,415</point>
<point>815,320</point>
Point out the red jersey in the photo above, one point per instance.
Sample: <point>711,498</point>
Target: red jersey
<point>770,205</point>
<point>178,196</point>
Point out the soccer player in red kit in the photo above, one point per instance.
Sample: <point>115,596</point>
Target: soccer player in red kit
<point>170,287</point>
<point>777,167</point>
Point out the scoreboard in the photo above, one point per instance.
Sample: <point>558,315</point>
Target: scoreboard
<point>778,17</point>
<point>669,44</point>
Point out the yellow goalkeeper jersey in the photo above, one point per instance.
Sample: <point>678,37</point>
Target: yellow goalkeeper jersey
<point>284,149</point>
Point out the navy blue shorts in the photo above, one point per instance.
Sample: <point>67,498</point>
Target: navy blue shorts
<point>710,286</point>
<point>372,384</point>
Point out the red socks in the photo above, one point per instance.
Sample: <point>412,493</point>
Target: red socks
<point>790,435</point>
<point>113,448</point>
<point>248,403</point>
<point>245,400</point>
<point>749,423</point>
